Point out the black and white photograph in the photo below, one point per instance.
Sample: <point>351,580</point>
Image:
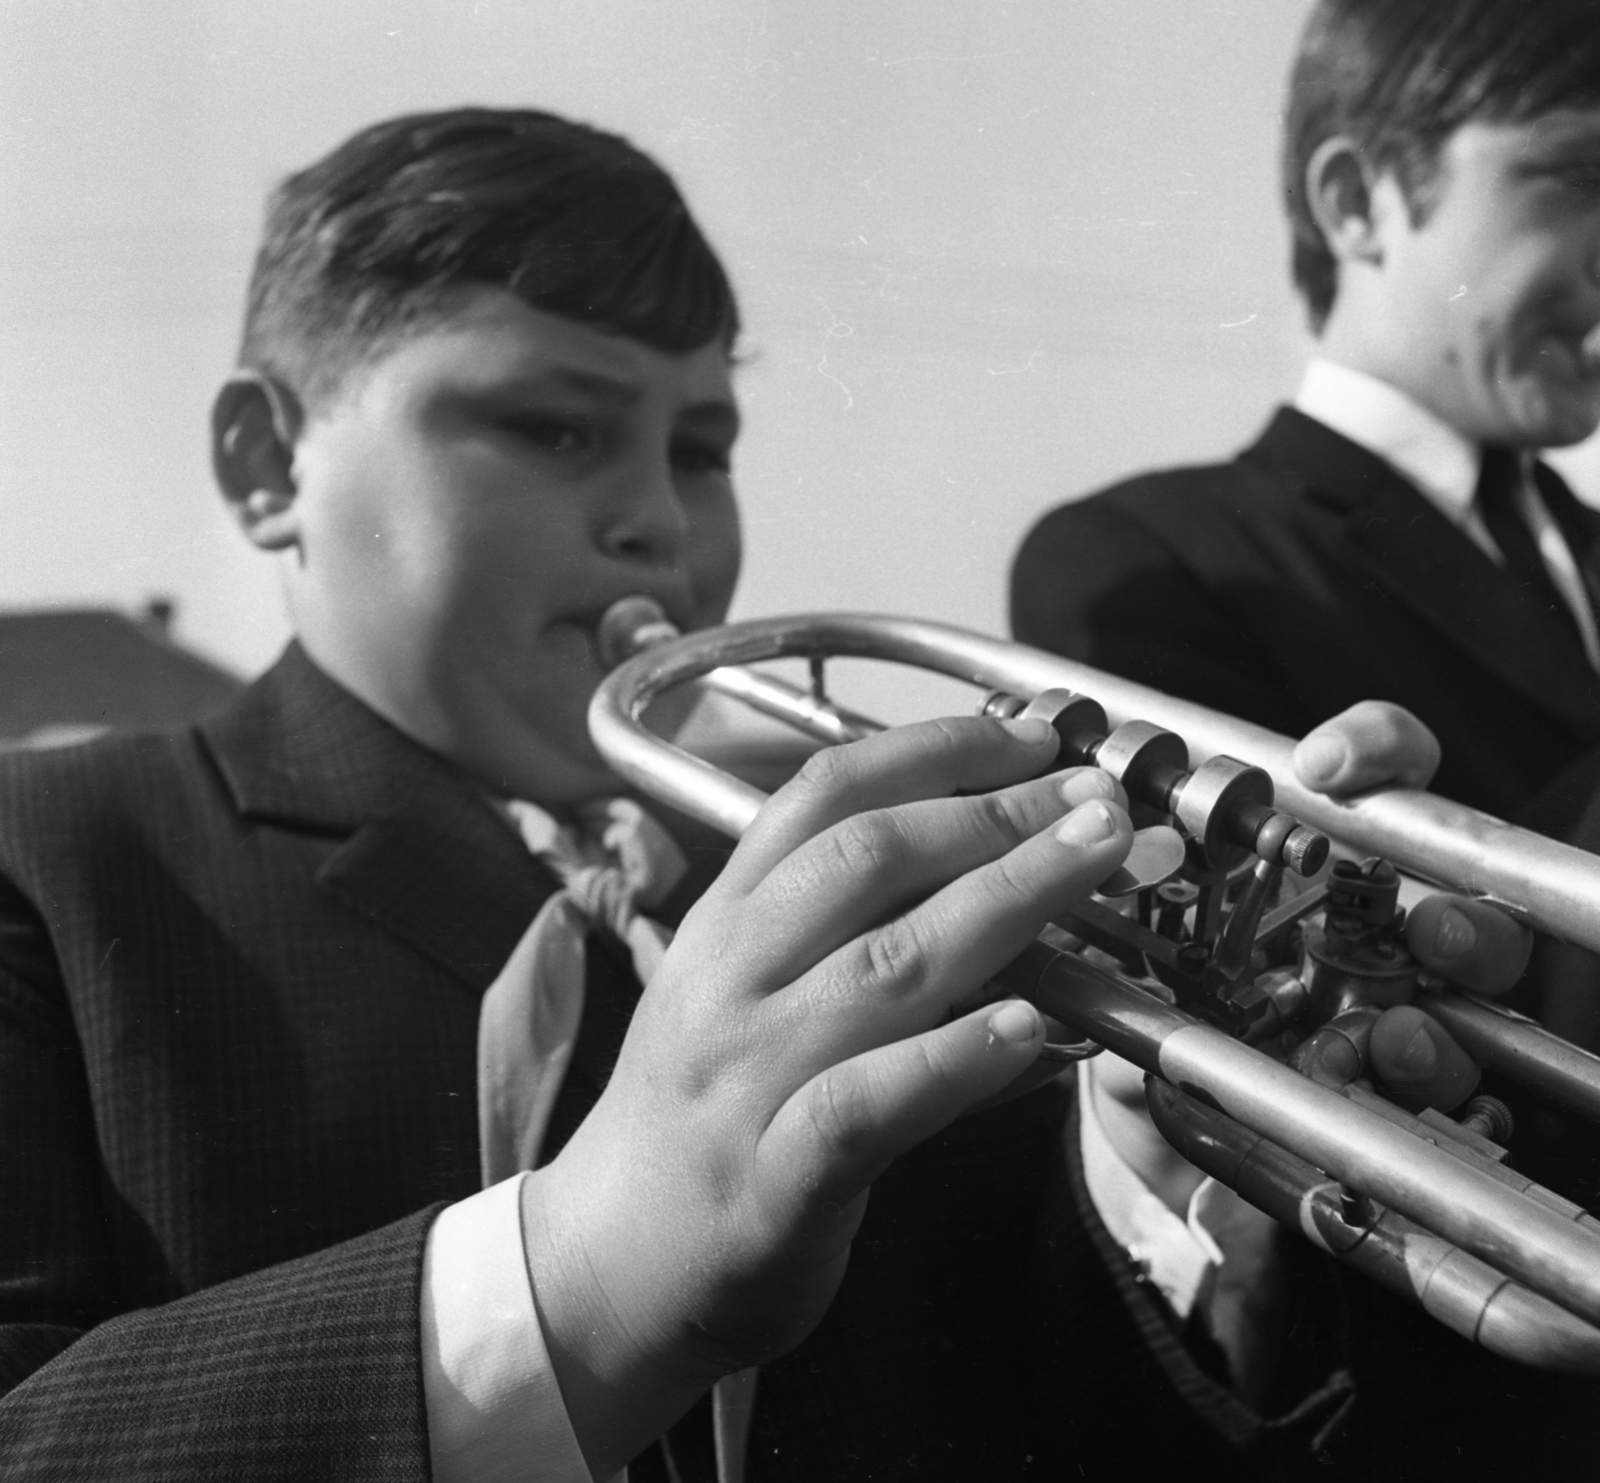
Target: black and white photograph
<point>832,743</point>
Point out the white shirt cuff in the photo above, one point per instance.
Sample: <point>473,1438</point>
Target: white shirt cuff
<point>495,1413</point>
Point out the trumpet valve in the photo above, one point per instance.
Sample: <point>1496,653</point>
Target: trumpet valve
<point>1289,997</point>
<point>1224,805</point>
<point>1358,955</point>
<point>1175,899</point>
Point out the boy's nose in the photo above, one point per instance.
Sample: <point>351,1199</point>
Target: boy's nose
<point>648,523</point>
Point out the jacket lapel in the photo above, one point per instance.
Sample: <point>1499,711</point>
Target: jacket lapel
<point>1434,569</point>
<point>423,854</point>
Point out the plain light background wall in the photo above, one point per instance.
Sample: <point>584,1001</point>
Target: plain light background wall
<point>991,254</point>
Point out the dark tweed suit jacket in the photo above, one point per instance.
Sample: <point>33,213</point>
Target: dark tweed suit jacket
<point>1307,575</point>
<point>239,981</point>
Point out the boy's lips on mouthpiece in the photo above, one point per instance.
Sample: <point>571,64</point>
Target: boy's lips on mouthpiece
<point>630,619</point>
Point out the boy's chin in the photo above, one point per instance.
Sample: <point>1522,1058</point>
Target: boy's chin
<point>555,767</point>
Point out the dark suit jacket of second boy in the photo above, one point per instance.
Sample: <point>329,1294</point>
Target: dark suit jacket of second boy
<point>1306,575</point>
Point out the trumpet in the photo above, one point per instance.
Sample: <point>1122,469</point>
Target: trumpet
<point>1246,1006</point>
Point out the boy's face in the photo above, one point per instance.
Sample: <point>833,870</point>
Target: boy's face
<point>470,505</point>
<point>1491,298</point>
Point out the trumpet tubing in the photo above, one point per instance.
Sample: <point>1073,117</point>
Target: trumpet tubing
<point>1553,887</point>
<point>1428,1203</point>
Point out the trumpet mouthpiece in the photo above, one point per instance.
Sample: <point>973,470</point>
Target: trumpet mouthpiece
<point>630,625</point>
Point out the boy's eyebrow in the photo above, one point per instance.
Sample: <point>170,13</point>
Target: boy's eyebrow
<point>621,392</point>
<point>615,389</point>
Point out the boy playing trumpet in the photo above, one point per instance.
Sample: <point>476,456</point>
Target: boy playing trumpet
<point>484,391</point>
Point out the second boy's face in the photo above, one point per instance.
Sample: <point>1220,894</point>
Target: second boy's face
<point>1494,294</point>
<point>476,500</point>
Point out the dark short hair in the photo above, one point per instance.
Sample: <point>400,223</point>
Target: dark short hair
<point>1400,76</point>
<point>378,239</point>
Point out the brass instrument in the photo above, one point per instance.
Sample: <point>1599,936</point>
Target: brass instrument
<point>1425,1204</point>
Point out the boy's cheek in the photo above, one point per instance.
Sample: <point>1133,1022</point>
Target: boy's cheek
<point>716,553</point>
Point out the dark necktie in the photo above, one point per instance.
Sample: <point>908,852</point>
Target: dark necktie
<point>1499,480</point>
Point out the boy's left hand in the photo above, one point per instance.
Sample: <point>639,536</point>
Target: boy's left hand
<point>1468,942</point>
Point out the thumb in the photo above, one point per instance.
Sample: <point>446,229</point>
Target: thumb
<point>1371,745</point>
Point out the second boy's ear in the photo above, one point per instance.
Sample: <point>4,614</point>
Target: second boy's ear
<point>255,422</point>
<point>1340,192</point>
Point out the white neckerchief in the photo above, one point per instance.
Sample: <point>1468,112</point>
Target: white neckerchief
<point>617,864</point>
<point>617,861</point>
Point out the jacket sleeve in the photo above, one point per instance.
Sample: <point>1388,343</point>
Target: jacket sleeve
<point>304,1370</point>
<point>1094,581</point>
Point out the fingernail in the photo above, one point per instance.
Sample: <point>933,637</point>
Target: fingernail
<point>1016,1021</point>
<point>1031,731</point>
<point>1320,759</point>
<point>1089,823</point>
<point>1455,934</point>
<point>1420,1055</point>
<point>1084,784</point>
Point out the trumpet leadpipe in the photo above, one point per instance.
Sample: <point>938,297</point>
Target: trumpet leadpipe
<point>638,624</point>
<point>1552,887</point>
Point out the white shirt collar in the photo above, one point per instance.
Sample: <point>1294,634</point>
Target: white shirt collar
<point>1385,421</point>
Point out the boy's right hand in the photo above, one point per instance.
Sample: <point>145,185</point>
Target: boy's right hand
<point>791,1045</point>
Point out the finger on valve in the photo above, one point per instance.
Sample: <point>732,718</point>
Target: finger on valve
<point>1471,943</point>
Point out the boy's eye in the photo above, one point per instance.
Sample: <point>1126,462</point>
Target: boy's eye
<point>700,458</point>
<point>1576,175</point>
<point>555,434</point>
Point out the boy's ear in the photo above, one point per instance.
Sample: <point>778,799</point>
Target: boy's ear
<point>255,423</point>
<point>1341,190</point>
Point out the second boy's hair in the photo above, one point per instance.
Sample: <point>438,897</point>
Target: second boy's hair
<point>1400,76</point>
<point>377,239</point>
